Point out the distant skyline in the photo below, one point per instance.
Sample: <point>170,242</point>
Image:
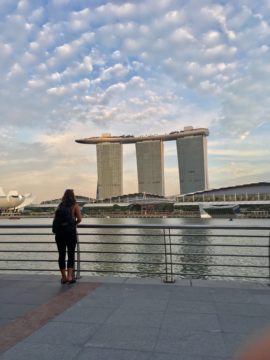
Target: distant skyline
<point>71,70</point>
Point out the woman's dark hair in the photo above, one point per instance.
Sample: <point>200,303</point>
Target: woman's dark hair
<point>68,198</point>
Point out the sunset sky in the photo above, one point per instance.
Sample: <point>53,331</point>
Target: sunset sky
<point>71,70</point>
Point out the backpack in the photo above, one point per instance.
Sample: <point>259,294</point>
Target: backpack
<point>63,220</point>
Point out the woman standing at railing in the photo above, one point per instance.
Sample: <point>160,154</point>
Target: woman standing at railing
<point>67,216</point>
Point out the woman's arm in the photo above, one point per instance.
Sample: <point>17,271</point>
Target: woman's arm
<point>77,214</point>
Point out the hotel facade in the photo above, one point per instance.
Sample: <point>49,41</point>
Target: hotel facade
<point>192,161</point>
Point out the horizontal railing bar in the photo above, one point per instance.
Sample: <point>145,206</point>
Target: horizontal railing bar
<point>27,269</point>
<point>175,235</point>
<point>181,274</point>
<point>223,265</point>
<point>148,273</point>
<point>141,226</point>
<point>142,235</point>
<point>176,254</point>
<point>223,276</point>
<point>139,244</point>
<point>143,263</point>
<point>185,274</point>
<point>136,253</point>
<point>25,234</point>
<point>219,235</point>
<point>184,263</point>
<point>211,255</point>
<point>193,264</point>
<point>84,252</point>
<point>27,260</point>
<point>29,251</point>
<point>88,261</point>
<point>28,242</point>
<point>173,244</point>
<point>221,245</point>
<point>103,271</point>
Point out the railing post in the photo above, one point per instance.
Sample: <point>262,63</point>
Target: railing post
<point>169,272</point>
<point>165,255</point>
<point>269,259</point>
<point>78,262</point>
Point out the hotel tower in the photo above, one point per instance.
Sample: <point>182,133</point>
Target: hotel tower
<point>109,170</point>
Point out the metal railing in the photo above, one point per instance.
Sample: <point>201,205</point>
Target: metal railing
<point>144,250</point>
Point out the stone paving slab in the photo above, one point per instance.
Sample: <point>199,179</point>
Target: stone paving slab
<point>128,319</point>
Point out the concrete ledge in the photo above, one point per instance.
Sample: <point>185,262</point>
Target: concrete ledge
<point>141,281</point>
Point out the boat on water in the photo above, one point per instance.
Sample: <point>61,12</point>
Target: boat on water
<point>210,210</point>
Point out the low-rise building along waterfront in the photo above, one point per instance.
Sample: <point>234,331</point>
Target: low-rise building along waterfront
<point>252,199</point>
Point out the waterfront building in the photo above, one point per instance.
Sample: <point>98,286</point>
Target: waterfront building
<point>253,199</point>
<point>129,205</point>
<point>150,166</point>
<point>109,170</point>
<point>81,200</point>
<point>192,160</point>
<point>192,163</point>
<point>247,193</point>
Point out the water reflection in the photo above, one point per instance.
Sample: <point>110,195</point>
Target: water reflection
<point>194,260</point>
<point>127,251</point>
<point>150,257</point>
<point>99,257</point>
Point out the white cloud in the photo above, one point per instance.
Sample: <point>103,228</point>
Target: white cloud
<point>15,70</point>
<point>80,20</point>
<point>61,90</point>
<point>221,51</point>
<point>60,2</point>
<point>211,37</point>
<point>173,17</point>
<point>135,66</point>
<point>55,76</point>
<point>115,10</point>
<point>64,50</point>
<point>85,67</point>
<point>34,46</point>
<point>82,84</point>
<point>28,59</point>
<point>23,5</point>
<point>36,15</point>
<point>182,34</point>
<point>5,49</point>
<point>47,36</point>
<point>35,83</point>
<point>117,70</point>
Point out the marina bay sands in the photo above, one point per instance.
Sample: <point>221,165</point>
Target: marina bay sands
<point>191,153</point>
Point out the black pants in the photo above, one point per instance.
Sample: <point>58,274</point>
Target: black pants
<point>66,240</point>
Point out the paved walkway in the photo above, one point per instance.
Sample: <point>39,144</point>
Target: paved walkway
<point>127,319</point>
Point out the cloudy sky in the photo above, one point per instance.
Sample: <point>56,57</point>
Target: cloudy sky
<point>71,70</point>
